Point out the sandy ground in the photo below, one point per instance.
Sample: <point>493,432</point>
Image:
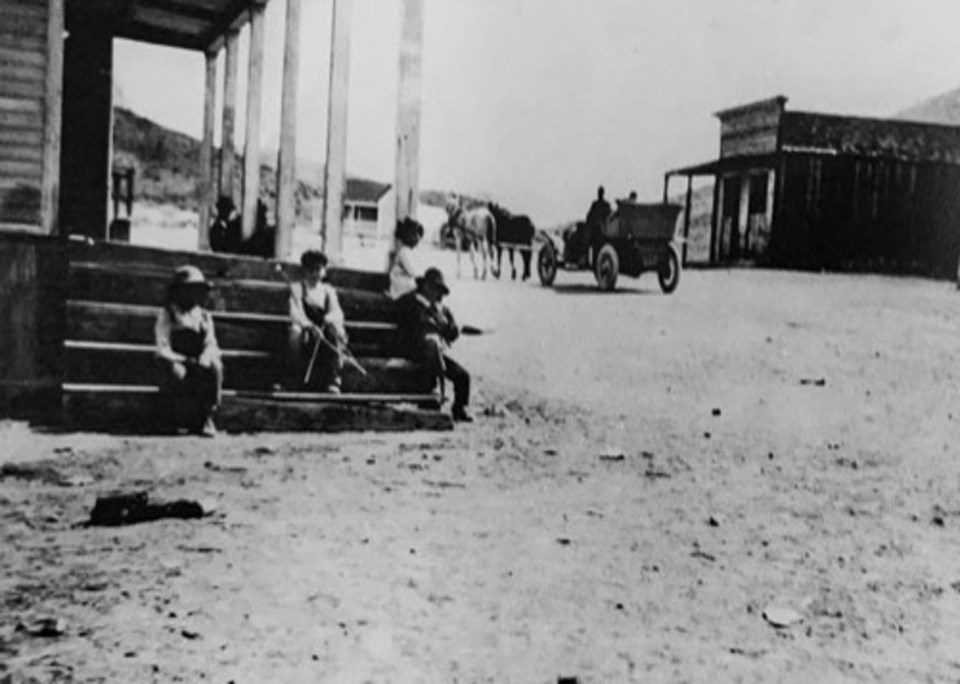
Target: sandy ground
<point>647,476</point>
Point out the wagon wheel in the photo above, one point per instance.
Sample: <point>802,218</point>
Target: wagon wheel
<point>607,267</point>
<point>547,264</point>
<point>669,271</point>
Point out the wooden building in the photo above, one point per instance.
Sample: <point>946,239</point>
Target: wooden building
<point>365,208</point>
<point>818,191</point>
<point>76,310</point>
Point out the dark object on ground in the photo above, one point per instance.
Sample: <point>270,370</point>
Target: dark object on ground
<point>129,508</point>
<point>816,382</point>
<point>44,627</point>
<point>31,472</point>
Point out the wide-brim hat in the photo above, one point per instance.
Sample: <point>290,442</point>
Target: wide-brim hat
<point>189,276</point>
<point>434,277</point>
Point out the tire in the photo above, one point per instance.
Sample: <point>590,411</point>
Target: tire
<point>547,264</point>
<point>607,267</point>
<point>669,272</point>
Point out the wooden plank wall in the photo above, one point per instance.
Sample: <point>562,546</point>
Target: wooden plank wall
<point>23,74</point>
<point>32,280</point>
<point>868,214</point>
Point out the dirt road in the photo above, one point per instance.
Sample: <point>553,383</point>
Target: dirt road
<point>648,478</point>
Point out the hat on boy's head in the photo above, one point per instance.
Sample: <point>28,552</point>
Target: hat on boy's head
<point>434,277</point>
<point>189,276</point>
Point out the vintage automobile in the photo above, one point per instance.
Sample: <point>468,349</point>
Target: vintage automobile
<point>636,238</point>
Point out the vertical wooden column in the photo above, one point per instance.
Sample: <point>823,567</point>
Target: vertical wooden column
<point>335,173</point>
<point>771,192</point>
<point>287,162</point>
<point>53,108</point>
<point>666,188</point>
<point>716,222</point>
<point>407,183</point>
<point>251,150</point>
<point>686,220</point>
<point>743,218</point>
<point>207,182</point>
<point>228,153</point>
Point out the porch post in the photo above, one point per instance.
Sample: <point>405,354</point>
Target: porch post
<point>207,189</point>
<point>335,172</point>
<point>716,220</point>
<point>666,188</point>
<point>228,153</point>
<point>686,220</point>
<point>287,162</point>
<point>251,151</point>
<point>743,217</point>
<point>53,104</point>
<point>408,113</point>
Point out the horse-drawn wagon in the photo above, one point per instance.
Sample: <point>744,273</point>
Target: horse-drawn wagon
<point>637,238</point>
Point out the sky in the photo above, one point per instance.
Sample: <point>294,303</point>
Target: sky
<point>535,103</point>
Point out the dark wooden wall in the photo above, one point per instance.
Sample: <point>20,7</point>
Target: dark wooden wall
<point>859,213</point>
<point>33,270</point>
<point>23,73</point>
<point>87,112</point>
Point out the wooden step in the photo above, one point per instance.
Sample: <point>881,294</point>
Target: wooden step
<point>220,266</point>
<point>133,409</point>
<point>432,400</point>
<point>89,281</point>
<point>134,324</point>
<point>135,364</point>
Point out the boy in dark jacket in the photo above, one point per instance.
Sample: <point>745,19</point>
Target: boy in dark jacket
<point>426,331</point>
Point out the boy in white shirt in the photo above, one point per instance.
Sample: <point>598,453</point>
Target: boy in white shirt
<point>317,330</point>
<point>191,371</point>
<point>403,272</point>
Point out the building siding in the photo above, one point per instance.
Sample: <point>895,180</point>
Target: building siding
<point>23,73</point>
<point>861,213</point>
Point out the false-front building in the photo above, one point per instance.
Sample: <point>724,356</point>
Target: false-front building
<point>818,191</point>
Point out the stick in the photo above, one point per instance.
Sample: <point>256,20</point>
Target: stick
<point>347,356</point>
<point>313,359</point>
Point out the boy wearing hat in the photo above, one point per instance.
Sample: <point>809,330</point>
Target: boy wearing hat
<point>191,371</point>
<point>426,331</point>
<point>316,327</point>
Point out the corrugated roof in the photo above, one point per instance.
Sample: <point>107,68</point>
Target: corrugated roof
<point>889,138</point>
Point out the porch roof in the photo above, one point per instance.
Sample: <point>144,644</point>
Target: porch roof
<point>189,24</point>
<point>725,164</point>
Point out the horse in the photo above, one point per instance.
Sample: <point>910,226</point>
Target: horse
<point>477,229</point>
<point>514,232</point>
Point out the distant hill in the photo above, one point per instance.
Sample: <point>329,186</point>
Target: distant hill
<point>940,109</point>
<point>167,166</point>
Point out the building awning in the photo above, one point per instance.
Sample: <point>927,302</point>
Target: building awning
<point>190,24</point>
<point>727,165</point>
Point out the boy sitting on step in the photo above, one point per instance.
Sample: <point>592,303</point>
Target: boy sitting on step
<point>426,331</point>
<point>191,371</point>
<point>317,334</point>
